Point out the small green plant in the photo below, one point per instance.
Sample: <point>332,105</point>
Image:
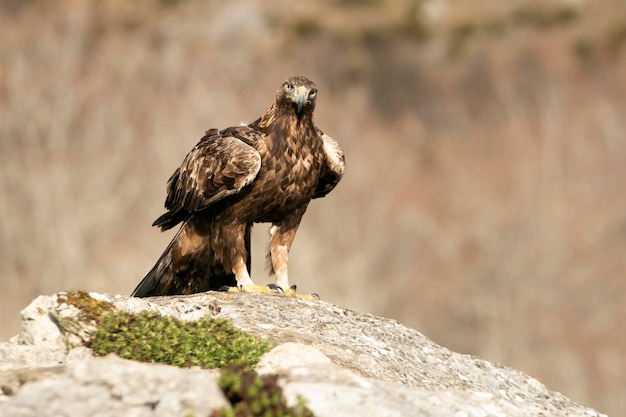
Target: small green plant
<point>150,337</point>
<point>254,395</point>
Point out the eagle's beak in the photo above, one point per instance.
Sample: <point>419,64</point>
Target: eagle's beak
<point>300,97</point>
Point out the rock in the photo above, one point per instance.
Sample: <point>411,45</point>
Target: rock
<point>11,382</point>
<point>331,390</point>
<point>29,356</point>
<point>111,386</point>
<point>42,330</point>
<point>288,355</point>
<point>339,361</point>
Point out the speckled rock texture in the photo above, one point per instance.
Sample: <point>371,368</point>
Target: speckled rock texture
<point>341,362</point>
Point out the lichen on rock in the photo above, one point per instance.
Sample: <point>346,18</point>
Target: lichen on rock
<point>78,316</point>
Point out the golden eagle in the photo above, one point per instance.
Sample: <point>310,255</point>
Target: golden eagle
<point>266,171</point>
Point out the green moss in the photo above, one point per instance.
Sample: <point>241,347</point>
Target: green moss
<point>150,337</point>
<point>254,395</point>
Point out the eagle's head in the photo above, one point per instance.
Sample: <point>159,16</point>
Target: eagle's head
<point>298,93</point>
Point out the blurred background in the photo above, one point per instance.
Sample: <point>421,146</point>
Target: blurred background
<point>484,200</point>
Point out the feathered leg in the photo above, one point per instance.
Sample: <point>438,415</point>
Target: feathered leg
<point>282,235</point>
<point>236,243</point>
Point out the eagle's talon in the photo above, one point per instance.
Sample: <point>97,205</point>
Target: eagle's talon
<point>250,288</point>
<point>277,289</point>
<point>307,297</point>
<point>270,289</point>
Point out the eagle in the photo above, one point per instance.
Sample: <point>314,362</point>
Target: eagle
<point>265,171</point>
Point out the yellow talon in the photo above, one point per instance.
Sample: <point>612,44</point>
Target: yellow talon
<point>291,292</point>
<point>259,289</point>
<point>274,289</point>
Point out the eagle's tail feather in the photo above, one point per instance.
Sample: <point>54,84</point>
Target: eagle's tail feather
<point>147,284</point>
<point>161,272</point>
<point>160,276</point>
<point>197,272</point>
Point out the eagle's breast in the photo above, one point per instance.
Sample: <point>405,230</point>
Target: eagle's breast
<point>290,171</point>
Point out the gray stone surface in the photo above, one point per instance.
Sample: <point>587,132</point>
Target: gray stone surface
<point>283,357</point>
<point>111,386</point>
<point>343,363</point>
<point>14,356</point>
<point>334,391</point>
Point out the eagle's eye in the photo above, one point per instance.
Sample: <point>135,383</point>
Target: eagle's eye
<point>312,94</point>
<point>288,87</point>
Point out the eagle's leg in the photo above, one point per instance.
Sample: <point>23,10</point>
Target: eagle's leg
<point>244,282</point>
<point>280,243</point>
<point>239,266</point>
<point>242,276</point>
<point>281,238</point>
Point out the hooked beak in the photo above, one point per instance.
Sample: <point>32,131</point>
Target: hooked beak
<point>300,97</point>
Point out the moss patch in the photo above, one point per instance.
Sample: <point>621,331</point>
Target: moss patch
<point>150,337</point>
<point>254,395</point>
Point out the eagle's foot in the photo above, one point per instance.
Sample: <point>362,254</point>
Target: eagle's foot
<point>270,289</point>
<point>291,292</point>
<point>262,289</point>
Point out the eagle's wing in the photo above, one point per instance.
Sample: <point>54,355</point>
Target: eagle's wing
<point>218,166</point>
<point>333,167</point>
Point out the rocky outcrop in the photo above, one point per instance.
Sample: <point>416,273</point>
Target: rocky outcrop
<point>341,362</point>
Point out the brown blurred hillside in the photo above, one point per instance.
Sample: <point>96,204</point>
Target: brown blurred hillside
<point>483,202</point>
